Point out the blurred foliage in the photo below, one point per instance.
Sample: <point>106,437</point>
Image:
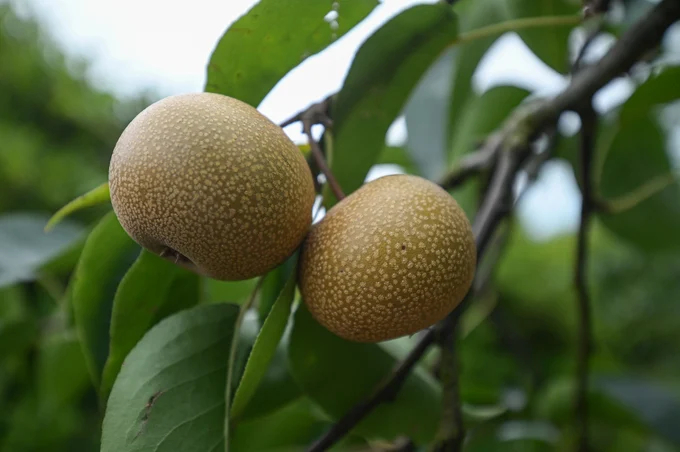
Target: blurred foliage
<point>106,348</point>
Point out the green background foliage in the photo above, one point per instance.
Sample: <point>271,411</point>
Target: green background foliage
<point>107,347</point>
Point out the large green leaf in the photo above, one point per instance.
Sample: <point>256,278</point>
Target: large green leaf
<point>169,395</point>
<point>384,72</point>
<point>473,14</point>
<point>550,44</point>
<point>637,154</point>
<point>62,376</point>
<point>264,348</point>
<point>337,374</point>
<point>151,290</point>
<point>427,118</point>
<point>25,247</point>
<point>271,39</point>
<point>107,255</point>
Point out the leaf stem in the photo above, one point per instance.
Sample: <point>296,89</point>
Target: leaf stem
<point>638,195</point>
<point>516,24</point>
<point>232,358</point>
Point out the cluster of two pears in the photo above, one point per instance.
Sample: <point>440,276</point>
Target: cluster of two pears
<point>208,182</point>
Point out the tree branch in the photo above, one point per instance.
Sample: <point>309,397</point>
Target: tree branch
<point>451,429</point>
<point>317,114</point>
<point>588,134</point>
<point>511,147</point>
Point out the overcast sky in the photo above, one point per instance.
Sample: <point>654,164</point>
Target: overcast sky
<point>164,46</point>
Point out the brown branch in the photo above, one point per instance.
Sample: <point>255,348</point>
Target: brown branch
<point>317,114</point>
<point>451,430</point>
<point>511,147</point>
<point>470,165</point>
<point>588,134</point>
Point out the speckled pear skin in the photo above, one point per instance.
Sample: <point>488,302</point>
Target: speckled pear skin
<point>394,257</point>
<point>208,182</point>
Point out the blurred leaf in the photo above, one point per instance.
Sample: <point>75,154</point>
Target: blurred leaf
<point>385,70</point>
<point>337,374</point>
<point>655,404</point>
<point>98,195</point>
<point>660,88</point>
<point>555,403</point>
<point>107,255</point>
<point>16,336</point>
<point>514,436</point>
<point>427,117</point>
<point>636,154</point>
<point>25,247</point>
<point>478,414</point>
<point>272,38</point>
<point>264,348</point>
<point>398,155</point>
<point>482,115</point>
<point>473,14</point>
<point>169,395</point>
<point>62,371</point>
<point>289,429</point>
<point>151,290</point>
<point>550,44</point>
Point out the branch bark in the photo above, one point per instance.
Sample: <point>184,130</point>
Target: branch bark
<point>588,134</point>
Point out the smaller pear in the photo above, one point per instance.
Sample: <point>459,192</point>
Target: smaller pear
<point>393,258</point>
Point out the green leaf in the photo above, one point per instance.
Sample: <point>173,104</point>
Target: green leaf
<point>264,348</point>
<point>483,114</point>
<point>473,14</point>
<point>550,44</point>
<point>25,247</point>
<point>271,39</point>
<point>17,336</point>
<point>273,284</point>
<point>169,395</point>
<point>398,155</point>
<point>98,195</point>
<point>658,406</point>
<point>107,255</point>
<point>151,290</point>
<point>384,72</point>
<point>337,374</point>
<point>427,117</point>
<point>289,429</point>
<point>61,370</point>
<point>636,155</point>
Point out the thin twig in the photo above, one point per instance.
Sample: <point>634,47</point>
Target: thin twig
<point>321,161</point>
<point>470,165</point>
<point>587,43</point>
<point>451,429</point>
<point>588,134</point>
<point>640,194</point>
<point>318,114</point>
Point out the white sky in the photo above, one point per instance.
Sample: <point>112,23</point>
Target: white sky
<point>164,46</point>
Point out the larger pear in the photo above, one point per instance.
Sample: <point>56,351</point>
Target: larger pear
<point>208,182</point>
